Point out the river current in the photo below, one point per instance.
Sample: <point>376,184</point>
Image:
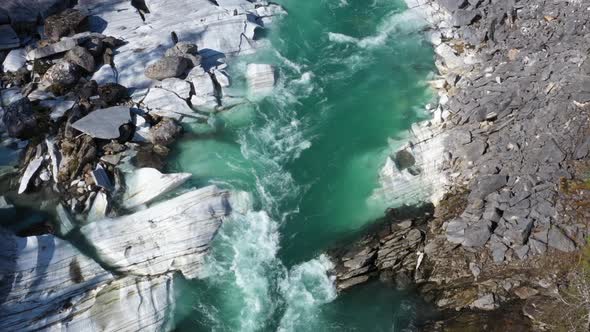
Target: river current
<point>351,76</point>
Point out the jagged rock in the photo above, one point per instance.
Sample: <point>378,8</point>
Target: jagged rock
<point>101,178</point>
<point>8,38</point>
<point>165,132</point>
<point>476,235</point>
<point>81,57</point>
<point>104,123</point>
<point>147,184</point>
<point>15,60</point>
<point>261,78</point>
<point>558,240</point>
<point>167,67</point>
<point>19,119</point>
<point>112,93</point>
<point>185,50</point>
<point>30,171</point>
<point>64,73</point>
<point>52,49</point>
<point>66,23</point>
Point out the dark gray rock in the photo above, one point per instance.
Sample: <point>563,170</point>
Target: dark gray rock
<point>19,119</point>
<point>66,23</point>
<point>558,240</point>
<point>455,231</point>
<point>487,184</point>
<point>404,159</point>
<point>167,67</point>
<point>165,132</point>
<point>81,57</point>
<point>477,235</point>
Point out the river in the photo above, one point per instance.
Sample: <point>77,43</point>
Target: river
<point>351,76</point>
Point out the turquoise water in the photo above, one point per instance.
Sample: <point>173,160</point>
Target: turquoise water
<point>350,77</point>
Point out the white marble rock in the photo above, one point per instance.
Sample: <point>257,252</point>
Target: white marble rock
<point>146,184</point>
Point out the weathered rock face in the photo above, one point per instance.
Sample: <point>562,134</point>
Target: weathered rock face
<point>19,119</point>
<point>49,284</point>
<point>66,23</point>
<point>167,67</point>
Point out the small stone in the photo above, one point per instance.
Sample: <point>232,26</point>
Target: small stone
<point>525,292</point>
<point>486,302</point>
<point>475,269</point>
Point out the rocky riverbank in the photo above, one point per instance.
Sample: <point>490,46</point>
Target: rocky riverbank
<point>93,95</point>
<point>505,159</point>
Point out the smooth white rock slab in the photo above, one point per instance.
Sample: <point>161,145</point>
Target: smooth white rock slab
<point>165,103</point>
<point>204,97</point>
<point>99,207</point>
<point>30,171</point>
<point>55,157</point>
<point>180,87</point>
<point>173,235</point>
<point>261,78</point>
<point>15,60</point>
<point>58,107</point>
<point>104,123</point>
<point>8,38</point>
<point>61,46</point>
<point>146,184</point>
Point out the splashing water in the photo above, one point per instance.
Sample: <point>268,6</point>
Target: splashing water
<point>309,153</point>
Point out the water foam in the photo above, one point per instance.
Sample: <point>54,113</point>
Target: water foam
<point>405,22</point>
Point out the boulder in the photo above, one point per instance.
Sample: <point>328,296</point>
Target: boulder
<point>20,120</point>
<point>64,73</point>
<point>167,67</point>
<point>66,23</point>
<point>104,123</point>
<point>261,78</point>
<point>8,38</point>
<point>165,132</point>
<point>81,57</point>
<point>112,93</point>
<point>146,184</point>
<point>558,240</point>
<point>15,60</point>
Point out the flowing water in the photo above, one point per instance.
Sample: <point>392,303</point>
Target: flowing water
<point>351,76</point>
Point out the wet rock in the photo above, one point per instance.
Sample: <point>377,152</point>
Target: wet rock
<point>66,23</point>
<point>19,119</point>
<point>104,123</point>
<point>167,67</point>
<point>165,132</point>
<point>404,159</point>
<point>261,78</point>
<point>81,57</point>
<point>112,93</point>
<point>8,38</point>
<point>63,73</point>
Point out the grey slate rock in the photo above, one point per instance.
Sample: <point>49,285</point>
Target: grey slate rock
<point>104,123</point>
<point>81,57</point>
<point>477,235</point>
<point>487,184</point>
<point>558,240</point>
<point>167,67</point>
<point>455,231</point>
